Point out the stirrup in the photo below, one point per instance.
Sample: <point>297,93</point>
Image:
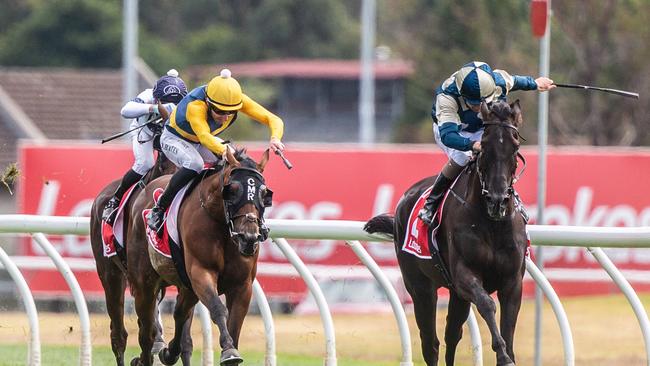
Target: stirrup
<point>156,219</point>
<point>110,210</point>
<point>426,216</point>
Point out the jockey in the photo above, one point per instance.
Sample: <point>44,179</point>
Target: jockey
<point>146,107</point>
<point>457,124</point>
<point>190,139</point>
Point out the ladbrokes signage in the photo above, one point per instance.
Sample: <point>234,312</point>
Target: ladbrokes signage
<point>585,187</point>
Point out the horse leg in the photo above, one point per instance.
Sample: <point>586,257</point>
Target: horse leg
<point>470,287</point>
<point>185,302</point>
<point>457,313</point>
<point>425,298</point>
<point>509,303</point>
<point>186,343</point>
<point>114,284</point>
<point>145,308</point>
<point>205,286</point>
<point>237,301</point>
<point>159,340</point>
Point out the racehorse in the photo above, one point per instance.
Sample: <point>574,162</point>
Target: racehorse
<point>481,238</point>
<point>110,270</point>
<point>220,226</point>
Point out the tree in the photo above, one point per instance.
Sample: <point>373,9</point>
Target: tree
<point>76,33</point>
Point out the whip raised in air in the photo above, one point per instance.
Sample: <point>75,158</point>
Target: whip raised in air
<point>606,90</point>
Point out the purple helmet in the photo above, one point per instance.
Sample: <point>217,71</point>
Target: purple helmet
<point>170,88</point>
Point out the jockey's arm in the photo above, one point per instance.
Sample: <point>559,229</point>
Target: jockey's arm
<point>518,82</point>
<point>263,116</point>
<point>451,138</point>
<point>197,112</point>
<point>449,124</point>
<point>140,106</point>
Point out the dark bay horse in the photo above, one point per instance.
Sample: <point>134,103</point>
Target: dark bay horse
<point>220,226</point>
<point>112,277</point>
<point>482,239</point>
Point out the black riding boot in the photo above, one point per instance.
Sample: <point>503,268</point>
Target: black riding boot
<point>110,210</point>
<point>438,191</point>
<point>156,217</point>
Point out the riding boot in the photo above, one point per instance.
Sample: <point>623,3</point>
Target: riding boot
<point>110,210</point>
<point>434,199</point>
<point>156,217</point>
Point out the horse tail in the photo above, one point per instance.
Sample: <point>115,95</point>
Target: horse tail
<point>380,224</point>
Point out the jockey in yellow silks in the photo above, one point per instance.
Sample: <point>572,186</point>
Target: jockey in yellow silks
<point>190,138</point>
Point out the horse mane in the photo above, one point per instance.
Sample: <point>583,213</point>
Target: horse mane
<point>241,156</point>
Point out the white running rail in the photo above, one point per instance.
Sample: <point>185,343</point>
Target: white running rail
<point>351,232</point>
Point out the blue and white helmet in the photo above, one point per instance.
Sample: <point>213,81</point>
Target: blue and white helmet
<point>475,82</point>
<point>170,88</point>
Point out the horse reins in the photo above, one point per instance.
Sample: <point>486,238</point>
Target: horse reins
<point>519,155</point>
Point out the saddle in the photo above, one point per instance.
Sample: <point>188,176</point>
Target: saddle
<point>425,246</point>
<point>166,250</point>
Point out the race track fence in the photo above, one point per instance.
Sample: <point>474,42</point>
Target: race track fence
<point>592,238</point>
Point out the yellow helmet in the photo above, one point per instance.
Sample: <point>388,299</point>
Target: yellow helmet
<point>224,92</point>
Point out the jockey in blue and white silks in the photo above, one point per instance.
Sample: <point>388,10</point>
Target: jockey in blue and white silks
<point>150,104</point>
<point>457,124</point>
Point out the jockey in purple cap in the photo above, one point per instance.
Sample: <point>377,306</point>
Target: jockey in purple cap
<point>457,124</point>
<point>149,105</point>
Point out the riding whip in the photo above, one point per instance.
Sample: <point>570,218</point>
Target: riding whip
<point>286,162</point>
<point>606,90</point>
<point>117,135</point>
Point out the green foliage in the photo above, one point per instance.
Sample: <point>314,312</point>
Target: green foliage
<point>605,46</point>
<point>75,33</point>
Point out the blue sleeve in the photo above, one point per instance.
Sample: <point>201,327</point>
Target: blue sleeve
<point>451,138</point>
<point>524,83</point>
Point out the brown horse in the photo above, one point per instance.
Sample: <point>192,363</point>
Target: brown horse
<point>112,277</point>
<point>482,239</point>
<point>220,225</point>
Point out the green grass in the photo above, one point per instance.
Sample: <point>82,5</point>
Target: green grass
<point>13,355</point>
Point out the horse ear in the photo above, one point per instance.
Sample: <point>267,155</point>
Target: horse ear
<point>262,163</point>
<point>485,112</point>
<point>516,113</point>
<point>230,158</point>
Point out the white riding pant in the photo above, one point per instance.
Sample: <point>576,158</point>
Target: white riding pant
<point>459,157</point>
<point>185,154</point>
<point>142,142</point>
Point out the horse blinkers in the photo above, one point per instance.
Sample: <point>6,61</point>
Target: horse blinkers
<point>496,202</point>
<point>246,187</point>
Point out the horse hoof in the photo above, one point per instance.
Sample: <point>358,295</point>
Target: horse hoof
<point>166,358</point>
<point>230,357</point>
<point>135,361</point>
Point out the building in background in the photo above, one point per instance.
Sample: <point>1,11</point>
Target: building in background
<point>318,99</point>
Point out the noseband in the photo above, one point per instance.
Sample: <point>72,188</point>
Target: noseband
<point>510,190</point>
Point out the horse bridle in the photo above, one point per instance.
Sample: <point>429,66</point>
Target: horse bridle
<point>510,190</point>
<point>260,202</point>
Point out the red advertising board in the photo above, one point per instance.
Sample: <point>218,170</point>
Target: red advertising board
<point>585,187</point>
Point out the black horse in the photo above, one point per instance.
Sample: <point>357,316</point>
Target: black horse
<point>482,240</point>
